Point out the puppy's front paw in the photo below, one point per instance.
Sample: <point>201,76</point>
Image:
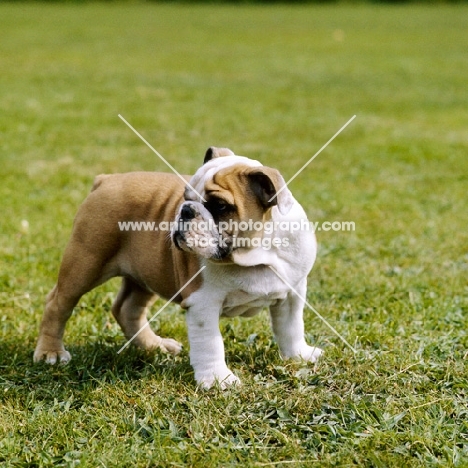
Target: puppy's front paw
<point>309,353</point>
<point>51,356</point>
<point>224,379</point>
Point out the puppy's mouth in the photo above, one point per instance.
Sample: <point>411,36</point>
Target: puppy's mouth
<point>195,231</point>
<point>178,239</point>
<point>224,251</point>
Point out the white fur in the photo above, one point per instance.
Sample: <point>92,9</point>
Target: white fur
<point>248,285</point>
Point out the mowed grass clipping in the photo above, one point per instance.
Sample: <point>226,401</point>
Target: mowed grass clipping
<point>273,83</point>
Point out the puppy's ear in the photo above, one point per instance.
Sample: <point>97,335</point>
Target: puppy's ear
<point>213,152</point>
<point>269,187</point>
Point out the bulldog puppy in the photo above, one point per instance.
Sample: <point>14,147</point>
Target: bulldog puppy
<point>226,220</point>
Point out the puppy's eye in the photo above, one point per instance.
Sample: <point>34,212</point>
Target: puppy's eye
<point>218,207</point>
<point>222,207</point>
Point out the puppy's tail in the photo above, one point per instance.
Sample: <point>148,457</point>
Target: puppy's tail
<point>98,180</point>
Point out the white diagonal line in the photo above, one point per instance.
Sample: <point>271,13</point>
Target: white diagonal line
<point>312,158</point>
<point>161,309</point>
<point>313,310</point>
<point>168,164</point>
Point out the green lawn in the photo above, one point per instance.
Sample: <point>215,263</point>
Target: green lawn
<point>273,83</point>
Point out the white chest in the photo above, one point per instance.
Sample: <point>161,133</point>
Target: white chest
<point>247,304</point>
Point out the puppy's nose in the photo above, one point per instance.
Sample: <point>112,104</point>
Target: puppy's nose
<point>187,213</point>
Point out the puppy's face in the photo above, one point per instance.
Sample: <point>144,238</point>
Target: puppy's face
<point>238,199</point>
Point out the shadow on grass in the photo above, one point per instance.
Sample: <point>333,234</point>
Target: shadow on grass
<point>97,365</point>
<point>93,365</point>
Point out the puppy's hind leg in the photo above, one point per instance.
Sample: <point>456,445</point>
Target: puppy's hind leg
<point>80,272</point>
<point>130,308</point>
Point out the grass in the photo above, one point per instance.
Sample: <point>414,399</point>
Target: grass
<point>273,83</point>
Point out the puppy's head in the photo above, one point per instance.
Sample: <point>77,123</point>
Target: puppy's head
<point>239,196</point>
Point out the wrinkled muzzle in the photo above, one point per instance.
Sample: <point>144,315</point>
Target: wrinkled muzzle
<point>195,231</point>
